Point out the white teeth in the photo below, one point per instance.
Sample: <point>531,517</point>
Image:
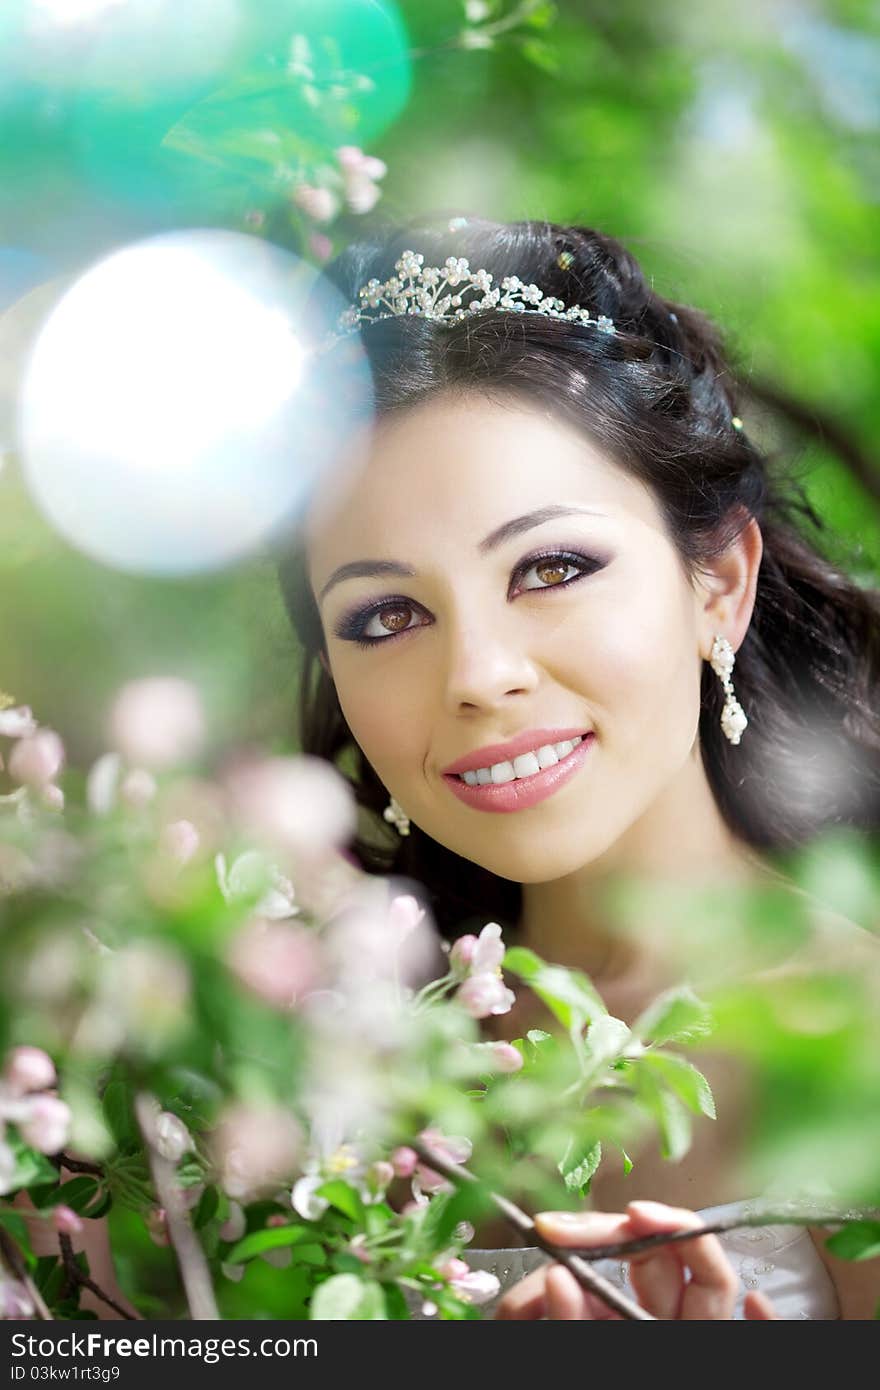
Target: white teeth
<point>547,755</point>
<point>502,772</point>
<point>526,765</point>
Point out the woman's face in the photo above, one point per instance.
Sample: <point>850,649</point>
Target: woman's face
<point>484,639</point>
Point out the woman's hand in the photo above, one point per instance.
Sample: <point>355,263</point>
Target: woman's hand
<point>659,1277</point>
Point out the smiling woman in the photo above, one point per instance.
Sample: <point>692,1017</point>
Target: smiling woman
<point>566,614</point>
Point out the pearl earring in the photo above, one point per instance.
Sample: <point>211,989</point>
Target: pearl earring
<point>733,717</point>
<point>394,813</point>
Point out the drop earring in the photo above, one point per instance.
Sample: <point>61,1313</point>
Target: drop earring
<point>395,814</point>
<point>733,716</point>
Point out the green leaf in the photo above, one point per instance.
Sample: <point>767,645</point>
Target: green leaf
<point>682,1077</point>
<point>857,1240</point>
<point>116,1104</point>
<point>206,1207</point>
<point>577,1168</point>
<point>677,1015</point>
<point>78,1193</point>
<point>273,1238</point>
<point>569,994</point>
<point>540,54</point>
<point>343,1197</point>
<point>542,15</point>
<point>396,1306</point>
<point>605,1039</point>
<point>31,1168</point>
<point>349,1298</point>
<point>672,1119</point>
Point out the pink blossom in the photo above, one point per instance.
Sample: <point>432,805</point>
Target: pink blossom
<point>52,797</point>
<point>157,1225</point>
<point>477,1286</point>
<point>180,840</point>
<point>256,1146</point>
<point>482,995</point>
<point>157,722</point>
<point>299,803</point>
<point>138,788</point>
<point>489,950</point>
<point>15,1301</point>
<point>379,1175</point>
<point>454,1269</point>
<point>462,953</point>
<point>404,1161</point>
<point>502,1057</point>
<point>361,193</point>
<point>29,1069</point>
<point>320,246</point>
<point>455,1148</point>
<point>66,1221</point>
<point>276,1220</point>
<point>405,914</point>
<point>46,1125</point>
<point>279,961</point>
<point>172,1138</point>
<point>17,723</point>
<point>36,760</point>
<point>320,204</point>
<point>353,161</point>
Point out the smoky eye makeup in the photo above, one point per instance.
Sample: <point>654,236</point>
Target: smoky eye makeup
<point>351,625</point>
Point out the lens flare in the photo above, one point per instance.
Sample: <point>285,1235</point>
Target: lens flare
<point>171,414</point>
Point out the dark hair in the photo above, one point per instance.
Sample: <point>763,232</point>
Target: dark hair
<point>658,398</point>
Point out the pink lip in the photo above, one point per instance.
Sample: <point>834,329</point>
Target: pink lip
<point>523,791</point>
<point>506,752</point>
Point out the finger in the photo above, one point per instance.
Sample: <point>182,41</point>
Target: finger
<point>712,1289</point>
<point>658,1282</point>
<point>566,1301</point>
<point>526,1300</point>
<point>757,1306</point>
<point>581,1229</point>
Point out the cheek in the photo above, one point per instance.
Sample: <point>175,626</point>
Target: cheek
<point>383,725</point>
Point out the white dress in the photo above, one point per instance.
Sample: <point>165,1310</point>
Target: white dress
<point>781,1261</point>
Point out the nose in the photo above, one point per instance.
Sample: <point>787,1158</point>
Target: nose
<point>485,668</point>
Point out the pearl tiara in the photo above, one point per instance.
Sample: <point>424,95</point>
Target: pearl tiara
<point>438,293</point>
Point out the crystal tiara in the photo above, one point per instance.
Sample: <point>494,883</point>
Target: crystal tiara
<point>438,293</point>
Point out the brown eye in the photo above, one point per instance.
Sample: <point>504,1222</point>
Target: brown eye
<point>394,619</point>
<point>546,571</point>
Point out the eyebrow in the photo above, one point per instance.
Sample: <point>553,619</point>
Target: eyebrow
<point>370,569</point>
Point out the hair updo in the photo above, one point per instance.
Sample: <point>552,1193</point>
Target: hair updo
<point>658,398</point>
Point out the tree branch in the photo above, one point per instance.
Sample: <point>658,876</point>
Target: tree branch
<point>15,1260</point>
<point>190,1256</point>
<point>585,1275</point>
<point>74,1277</point>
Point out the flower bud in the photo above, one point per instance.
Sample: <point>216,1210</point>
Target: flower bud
<point>47,1124</point>
<point>29,1069</point>
<point>172,1138</point>
<point>461,954</point>
<point>157,722</point>
<point>235,1225</point>
<point>137,788</point>
<point>36,760</point>
<point>180,840</point>
<point>320,204</point>
<point>504,1057</point>
<point>404,1161</point>
<point>157,1225</point>
<point>66,1222</point>
<point>485,994</point>
<point>52,797</point>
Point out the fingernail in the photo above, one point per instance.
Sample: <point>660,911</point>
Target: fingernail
<point>560,1218</point>
<point>649,1208</point>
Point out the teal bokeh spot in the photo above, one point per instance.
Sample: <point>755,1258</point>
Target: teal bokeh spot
<point>198,110</point>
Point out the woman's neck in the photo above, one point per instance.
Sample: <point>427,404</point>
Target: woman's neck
<point>582,921</point>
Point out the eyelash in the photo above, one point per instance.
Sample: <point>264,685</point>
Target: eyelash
<point>351,628</point>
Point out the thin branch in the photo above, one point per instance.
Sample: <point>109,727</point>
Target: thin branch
<point>15,1260</point>
<point>582,1271</point>
<point>75,1277</point>
<point>190,1256</point>
<point>797,1217</point>
<point>76,1165</point>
